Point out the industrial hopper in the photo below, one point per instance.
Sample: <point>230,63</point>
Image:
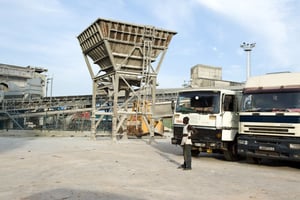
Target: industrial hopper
<point>125,53</point>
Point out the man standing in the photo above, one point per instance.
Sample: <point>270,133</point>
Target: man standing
<point>186,144</point>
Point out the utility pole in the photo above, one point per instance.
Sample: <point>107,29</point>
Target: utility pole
<point>248,48</point>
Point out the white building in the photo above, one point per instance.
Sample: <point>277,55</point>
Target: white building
<point>209,76</point>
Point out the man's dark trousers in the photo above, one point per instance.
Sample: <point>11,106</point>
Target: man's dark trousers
<point>187,155</point>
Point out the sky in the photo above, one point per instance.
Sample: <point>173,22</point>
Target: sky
<point>43,33</point>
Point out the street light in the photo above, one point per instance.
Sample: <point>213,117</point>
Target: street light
<point>248,48</point>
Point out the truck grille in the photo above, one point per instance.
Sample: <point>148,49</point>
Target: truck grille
<point>277,130</point>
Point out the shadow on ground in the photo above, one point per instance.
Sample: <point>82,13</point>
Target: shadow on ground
<point>166,148</point>
<point>11,143</point>
<point>271,163</point>
<point>167,151</point>
<point>67,193</point>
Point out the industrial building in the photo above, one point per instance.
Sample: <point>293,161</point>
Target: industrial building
<point>209,76</point>
<point>22,82</point>
<point>124,87</point>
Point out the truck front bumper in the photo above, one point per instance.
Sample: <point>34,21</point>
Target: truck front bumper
<point>269,147</point>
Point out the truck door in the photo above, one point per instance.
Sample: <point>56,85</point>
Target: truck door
<point>229,117</point>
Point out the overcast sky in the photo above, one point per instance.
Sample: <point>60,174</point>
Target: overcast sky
<point>43,33</point>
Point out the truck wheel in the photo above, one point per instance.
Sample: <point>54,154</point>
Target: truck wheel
<point>195,152</point>
<point>231,153</point>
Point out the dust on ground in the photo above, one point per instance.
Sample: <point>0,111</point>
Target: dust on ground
<point>35,168</point>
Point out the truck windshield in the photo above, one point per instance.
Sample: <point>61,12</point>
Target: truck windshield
<point>198,102</point>
<point>271,102</point>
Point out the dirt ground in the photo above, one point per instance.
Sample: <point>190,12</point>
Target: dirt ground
<point>38,168</point>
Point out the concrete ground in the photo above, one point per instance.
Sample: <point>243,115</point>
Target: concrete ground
<point>38,168</point>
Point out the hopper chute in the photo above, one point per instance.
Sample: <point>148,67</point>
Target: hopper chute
<point>118,46</point>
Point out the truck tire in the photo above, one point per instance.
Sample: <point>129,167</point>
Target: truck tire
<point>195,152</point>
<point>231,153</point>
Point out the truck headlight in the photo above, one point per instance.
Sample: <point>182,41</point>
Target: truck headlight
<point>294,146</point>
<point>244,142</point>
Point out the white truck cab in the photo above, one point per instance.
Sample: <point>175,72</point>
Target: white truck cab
<point>270,117</point>
<point>214,114</point>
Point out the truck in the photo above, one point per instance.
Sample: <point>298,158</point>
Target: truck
<point>270,117</point>
<point>214,115</point>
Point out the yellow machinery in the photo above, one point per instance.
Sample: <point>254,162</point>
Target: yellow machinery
<point>138,124</point>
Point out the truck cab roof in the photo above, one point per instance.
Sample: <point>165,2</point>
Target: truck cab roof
<point>276,81</point>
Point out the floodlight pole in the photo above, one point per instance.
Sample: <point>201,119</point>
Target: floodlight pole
<point>248,48</point>
<point>49,80</point>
